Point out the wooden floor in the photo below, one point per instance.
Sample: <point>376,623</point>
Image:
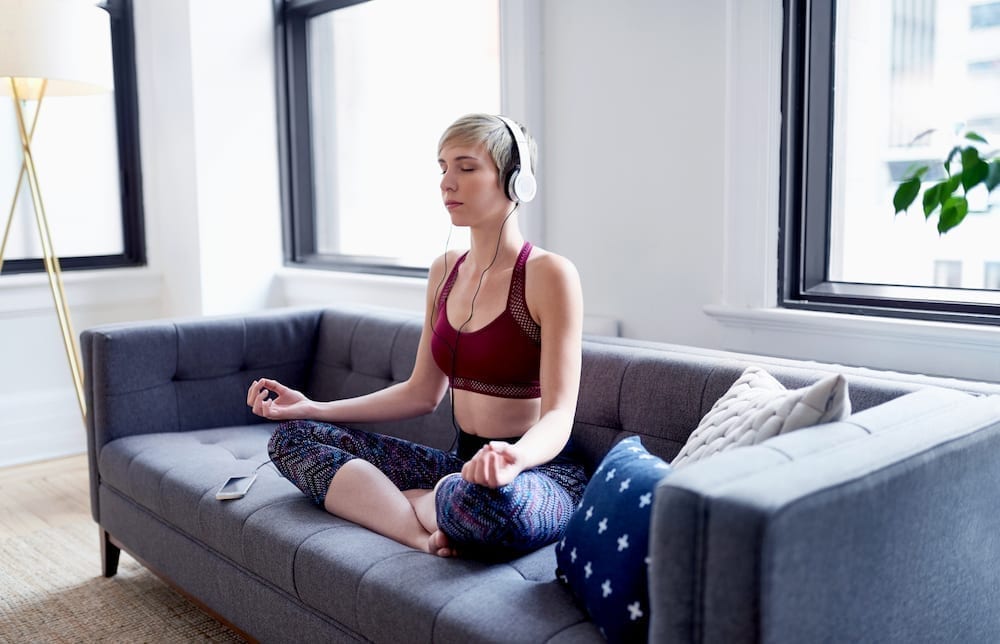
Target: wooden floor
<point>52,493</point>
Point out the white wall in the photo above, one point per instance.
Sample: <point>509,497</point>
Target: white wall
<point>659,121</point>
<point>210,159</point>
<point>41,417</point>
<point>634,105</point>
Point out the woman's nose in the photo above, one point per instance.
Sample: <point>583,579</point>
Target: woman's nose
<point>447,181</point>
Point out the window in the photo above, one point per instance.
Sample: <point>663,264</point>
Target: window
<point>947,272</point>
<point>368,88</point>
<point>95,216</point>
<point>870,88</point>
<point>985,15</point>
<point>991,276</point>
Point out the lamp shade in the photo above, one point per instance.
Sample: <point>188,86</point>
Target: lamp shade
<point>67,43</point>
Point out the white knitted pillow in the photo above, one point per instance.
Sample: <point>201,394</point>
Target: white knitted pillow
<point>758,407</point>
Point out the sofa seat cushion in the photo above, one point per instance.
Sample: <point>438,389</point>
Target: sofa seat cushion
<point>455,595</point>
<point>363,580</point>
<point>175,476</point>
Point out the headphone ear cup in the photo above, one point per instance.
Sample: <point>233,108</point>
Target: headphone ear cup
<point>509,186</point>
<point>520,185</point>
<point>523,186</point>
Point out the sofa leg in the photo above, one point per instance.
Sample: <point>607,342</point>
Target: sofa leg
<point>109,554</point>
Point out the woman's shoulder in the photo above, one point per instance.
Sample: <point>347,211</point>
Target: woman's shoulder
<point>546,264</point>
<point>552,287</point>
<point>547,273</point>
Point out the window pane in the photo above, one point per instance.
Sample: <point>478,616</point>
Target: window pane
<point>985,15</point>
<point>386,78</point>
<point>991,277</point>
<point>76,157</point>
<point>909,76</point>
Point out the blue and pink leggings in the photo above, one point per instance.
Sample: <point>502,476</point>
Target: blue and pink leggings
<point>530,512</point>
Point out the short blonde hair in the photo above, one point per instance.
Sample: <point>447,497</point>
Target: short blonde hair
<point>493,133</point>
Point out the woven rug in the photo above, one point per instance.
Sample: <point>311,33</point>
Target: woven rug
<point>52,590</point>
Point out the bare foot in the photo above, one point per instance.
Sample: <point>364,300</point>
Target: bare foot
<point>438,545</point>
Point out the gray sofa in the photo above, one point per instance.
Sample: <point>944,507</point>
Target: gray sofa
<point>882,527</point>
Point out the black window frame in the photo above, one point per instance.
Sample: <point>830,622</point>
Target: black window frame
<point>806,175</point>
<point>295,146</point>
<point>129,162</point>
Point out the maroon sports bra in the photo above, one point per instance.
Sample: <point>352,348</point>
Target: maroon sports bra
<point>501,359</point>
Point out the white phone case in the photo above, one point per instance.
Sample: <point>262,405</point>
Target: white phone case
<point>235,487</point>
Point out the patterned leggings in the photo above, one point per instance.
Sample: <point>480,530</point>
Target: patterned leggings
<point>530,512</point>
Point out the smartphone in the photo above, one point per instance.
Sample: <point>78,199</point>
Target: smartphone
<point>235,487</point>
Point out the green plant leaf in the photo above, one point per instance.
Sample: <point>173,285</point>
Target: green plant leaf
<point>932,198</point>
<point>949,186</point>
<point>975,137</point>
<point>953,212</point>
<point>951,155</point>
<point>905,194</point>
<point>993,176</point>
<point>969,156</point>
<point>975,174</point>
<point>915,172</point>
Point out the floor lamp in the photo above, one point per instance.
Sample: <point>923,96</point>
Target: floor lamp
<point>51,48</point>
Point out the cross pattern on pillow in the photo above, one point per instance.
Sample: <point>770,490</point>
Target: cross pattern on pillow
<point>604,555</point>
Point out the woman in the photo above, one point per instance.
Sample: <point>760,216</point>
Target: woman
<point>502,329</point>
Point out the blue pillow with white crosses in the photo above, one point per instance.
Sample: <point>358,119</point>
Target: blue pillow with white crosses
<point>604,554</point>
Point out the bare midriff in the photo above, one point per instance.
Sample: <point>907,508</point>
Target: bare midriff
<point>492,417</point>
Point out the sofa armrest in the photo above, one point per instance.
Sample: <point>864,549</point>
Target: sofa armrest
<point>882,527</point>
<point>181,375</point>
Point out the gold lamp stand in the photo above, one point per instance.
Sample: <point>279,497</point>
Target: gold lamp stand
<point>49,256</point>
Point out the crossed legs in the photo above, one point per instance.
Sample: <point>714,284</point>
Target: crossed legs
<point>384,484</point>
<point>379,482</point>
<point>361,493</point>
<point>426,510</point>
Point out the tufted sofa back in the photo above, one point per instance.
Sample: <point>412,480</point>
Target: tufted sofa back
<point>361,350</point>
<point>170,376</point>
<point>655,390</point>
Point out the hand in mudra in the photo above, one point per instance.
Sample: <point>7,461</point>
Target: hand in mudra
<point>287,403</point>
<point>495,465</point>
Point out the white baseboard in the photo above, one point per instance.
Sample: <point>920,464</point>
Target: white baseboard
<point>40,425</point>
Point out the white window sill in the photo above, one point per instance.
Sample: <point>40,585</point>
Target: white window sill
<point>916,346</point>
<point>30,293</point>
<point>314,287</point>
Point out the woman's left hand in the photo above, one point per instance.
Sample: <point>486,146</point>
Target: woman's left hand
<point>495,465</point>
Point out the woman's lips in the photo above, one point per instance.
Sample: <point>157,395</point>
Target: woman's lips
<point>452,204</point>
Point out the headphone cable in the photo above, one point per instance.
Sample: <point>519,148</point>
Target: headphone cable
<point>458,332</point>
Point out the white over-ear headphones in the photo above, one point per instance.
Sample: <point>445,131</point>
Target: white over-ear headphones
<point>520,184</point>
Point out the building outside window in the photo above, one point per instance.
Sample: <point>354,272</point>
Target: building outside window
<point>991,276</point>
<point>878,87</point>
<point>372,86</point>
<point>947,273</point>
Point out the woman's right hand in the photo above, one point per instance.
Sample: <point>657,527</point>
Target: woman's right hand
<point>287,404</point>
